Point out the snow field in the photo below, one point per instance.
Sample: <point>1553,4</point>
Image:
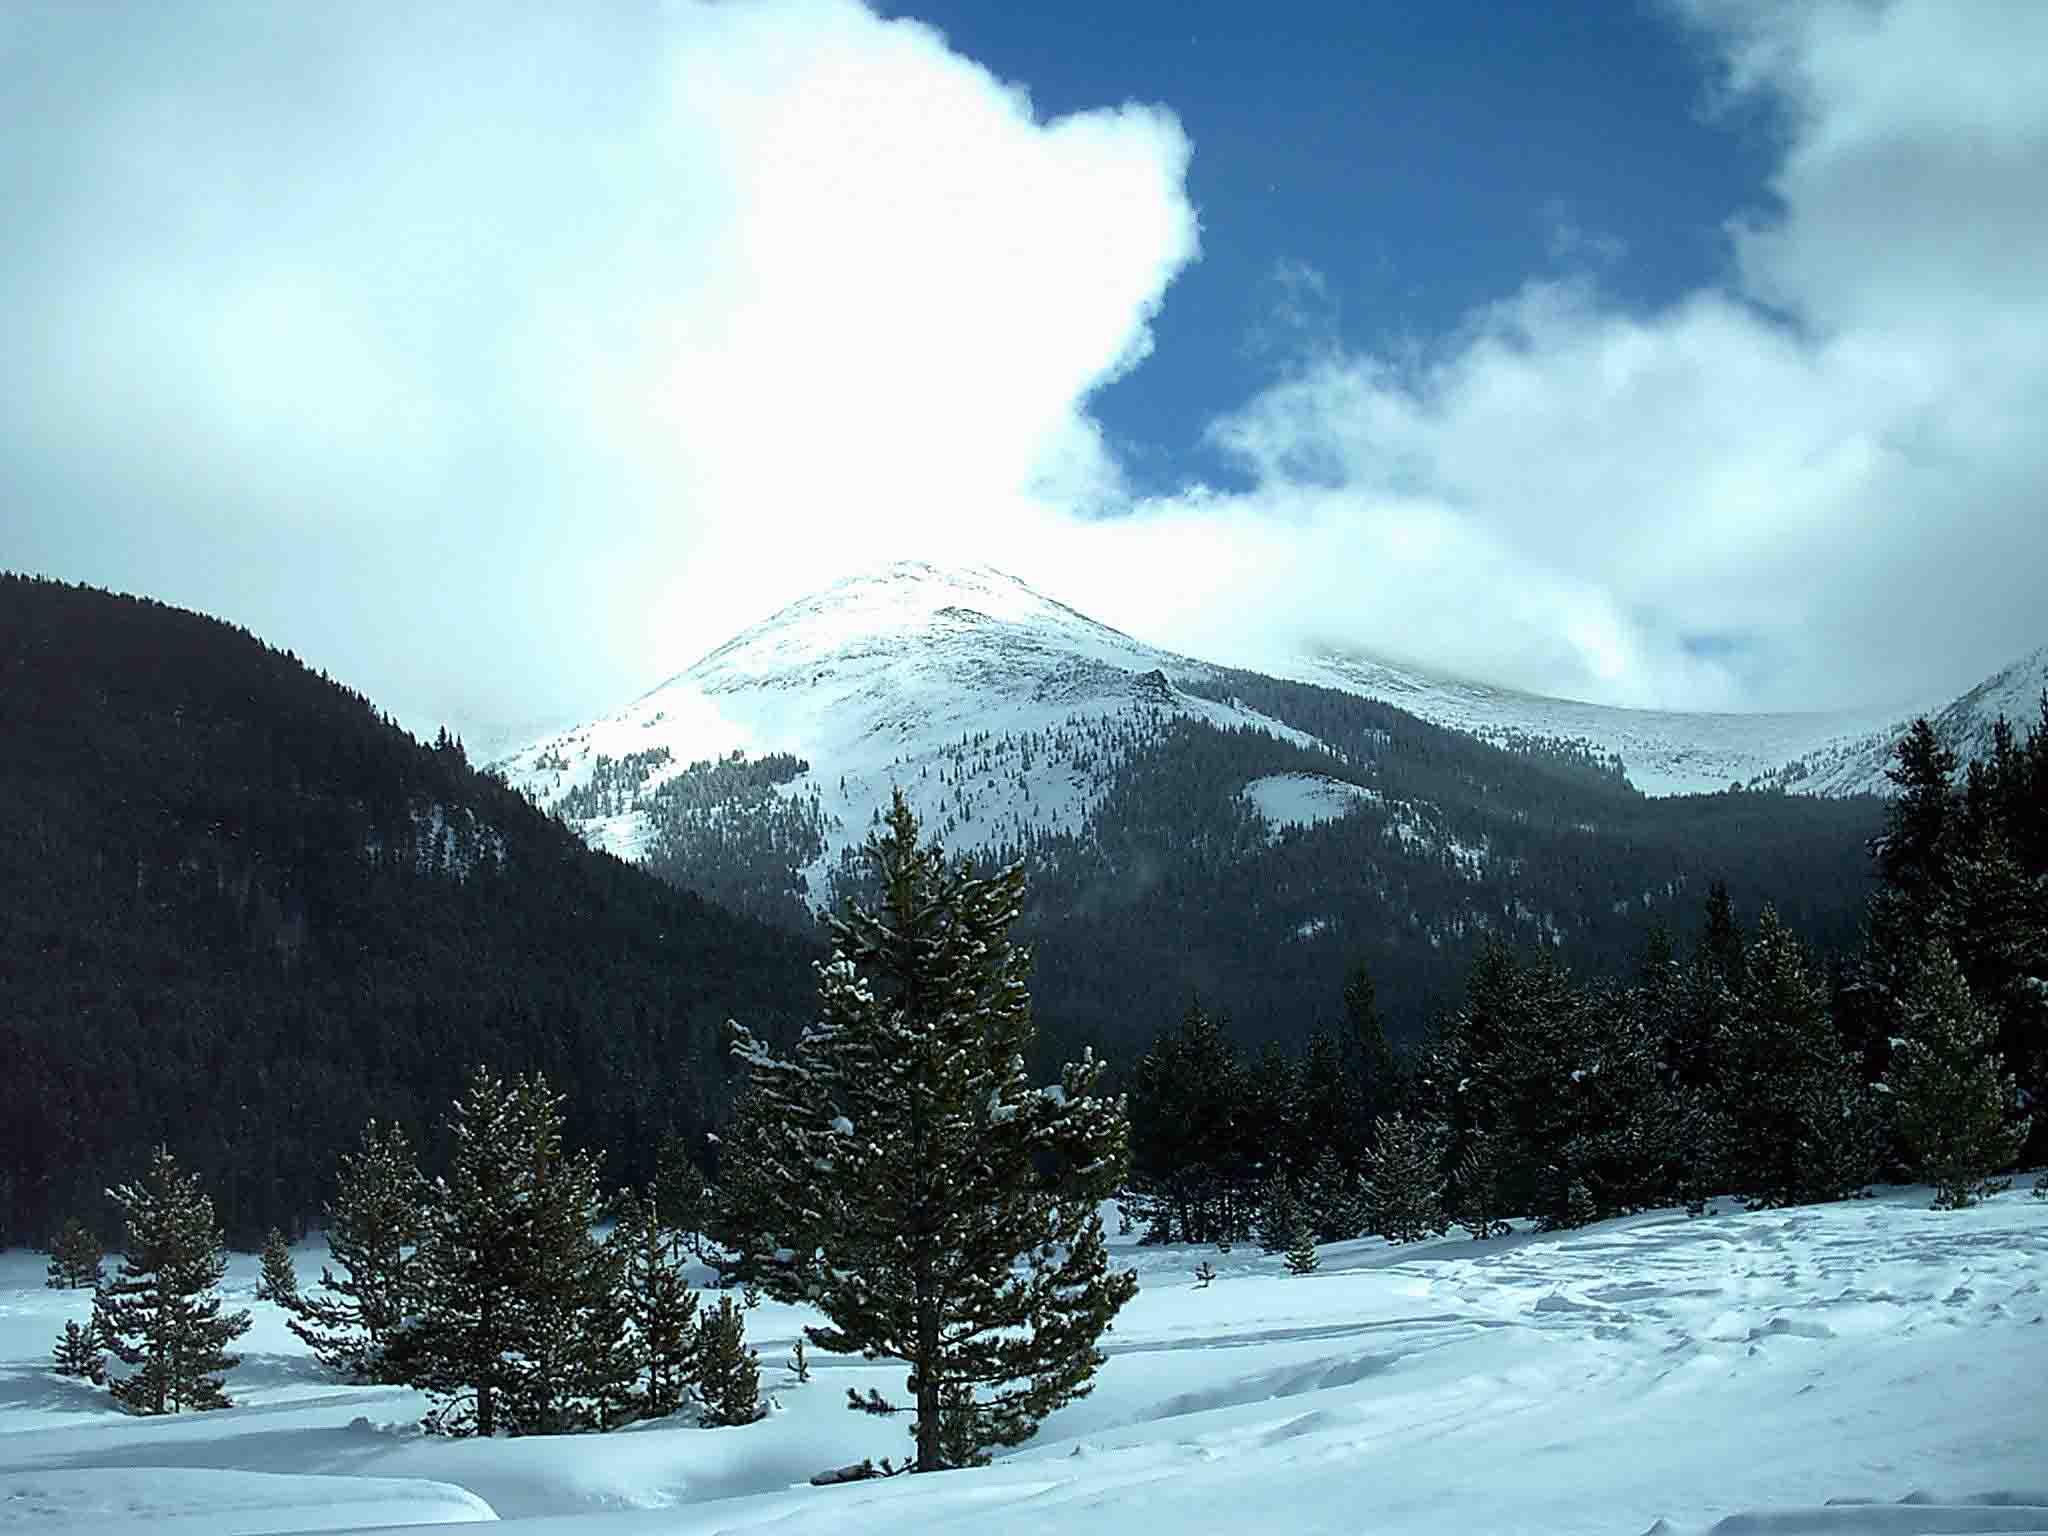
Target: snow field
<point>1732,1373</point>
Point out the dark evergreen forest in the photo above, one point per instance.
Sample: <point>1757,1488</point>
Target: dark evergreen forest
<point>242,913</point>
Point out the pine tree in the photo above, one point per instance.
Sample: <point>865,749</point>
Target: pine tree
<point>1301,1250</point>
<point>75,1257</point>
<point>162,1309</point>
<point>510,1281</point>
<point>1950,1091</point>
<point>1799,1121</point>
<point>279,1282</point>
<point>1334,1200</point>
<point>78,1353</point>
<point>1279,1212</point>
<point>1475,1202</point>
<point>1405,1191</point>
<point>373,1230</point>
<point>932,1203</point>
<point>728,1372</point>
<point>1370,1073</point>
<point>659,1301</point>
<point>682,1196</point>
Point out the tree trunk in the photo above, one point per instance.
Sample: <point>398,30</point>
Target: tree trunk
<point>930,1453</point>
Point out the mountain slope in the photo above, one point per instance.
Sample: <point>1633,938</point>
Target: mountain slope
<point>1665,752</point>
<point>1186,826</point>
<point>900,677</point>
<point>1855,765</point>
<point>242,913</point>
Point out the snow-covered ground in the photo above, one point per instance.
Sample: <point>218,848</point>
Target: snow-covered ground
<point>1649,1369</point>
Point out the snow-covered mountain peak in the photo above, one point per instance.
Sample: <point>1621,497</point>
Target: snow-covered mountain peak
<point>999,711</point>
<point>878,613</point>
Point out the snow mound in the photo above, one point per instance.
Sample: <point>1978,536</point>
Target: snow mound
<point>187,1501</point>
<point>1917,1514</point>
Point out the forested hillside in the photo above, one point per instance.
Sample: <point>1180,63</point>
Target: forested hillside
<point>242,912</point>
<point>1179,883</point>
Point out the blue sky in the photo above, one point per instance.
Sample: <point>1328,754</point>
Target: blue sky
<point>1419,160</point>
<point>503,358</point>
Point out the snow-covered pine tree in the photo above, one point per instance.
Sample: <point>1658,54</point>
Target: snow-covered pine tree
<point>935,1206</point>
<point>78,1353</point>
<point>373,1228</point>
<point>1405,1190</point>
<point>1952,1096</point>
<point>1301,1249</point>
<point>728,1372</point>
<point>162,1310</point>
<point>278,1282</point>
<point>507,1269</point>
<point>659,1301</point>
<point>75,1256</point>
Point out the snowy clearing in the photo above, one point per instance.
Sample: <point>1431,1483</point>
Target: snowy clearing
<point>1303,799</point>
<point>1651,1369</point>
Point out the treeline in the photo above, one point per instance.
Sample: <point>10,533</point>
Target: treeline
<point>242,913</point>
<point>487,1287</point>
<point>1736,1066</point>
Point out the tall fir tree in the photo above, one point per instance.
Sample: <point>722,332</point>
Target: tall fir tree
<point>937,1207</point>
<point>660,1304</point>
<point>161,1312</point>
<point>511,1283</point>
<point>1371,1074</point>
<point>373,1232</point>
<point>1953,1099</point>
<point>75,1259</point>
<point>1801,1125</point>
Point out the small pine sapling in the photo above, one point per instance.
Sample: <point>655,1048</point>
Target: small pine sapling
<point>1205,1272</point>
<point>1301,1251</point>
<point>78,1353</point>
<point>75,1256</point>
<point>279,1282</point>
<point>799,1362</point>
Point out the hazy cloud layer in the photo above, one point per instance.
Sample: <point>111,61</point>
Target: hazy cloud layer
<point>502,363</point>
<point>499,362</point>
